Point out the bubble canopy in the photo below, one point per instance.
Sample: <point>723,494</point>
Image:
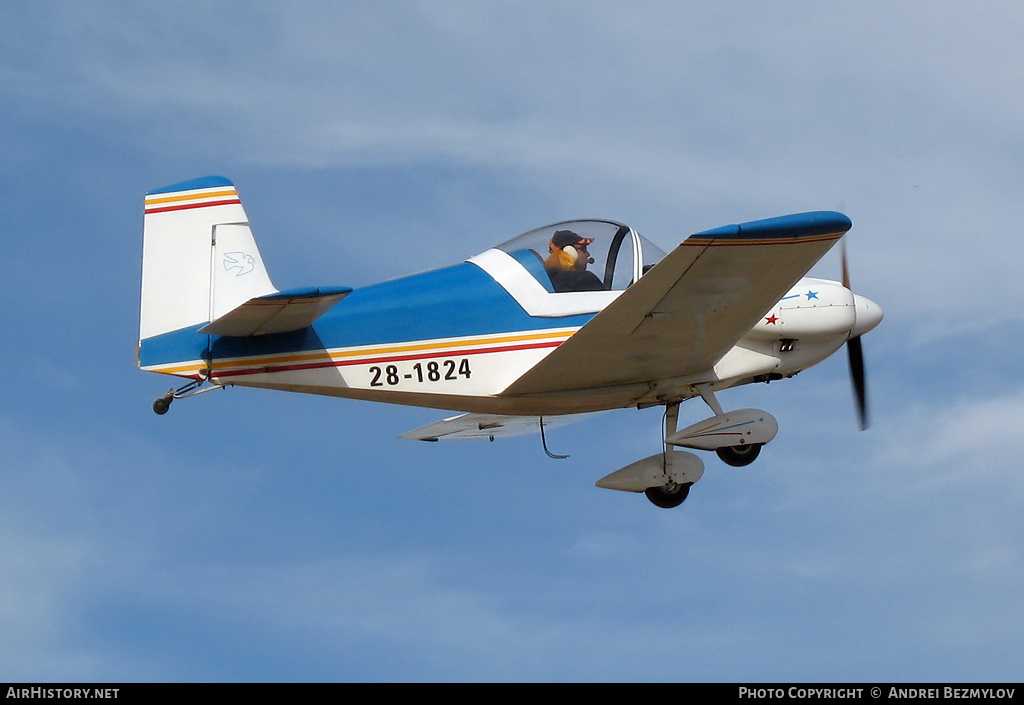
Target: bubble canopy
<point>620,255</point>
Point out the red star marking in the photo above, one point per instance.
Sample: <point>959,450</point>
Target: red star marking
<point>772,319</point>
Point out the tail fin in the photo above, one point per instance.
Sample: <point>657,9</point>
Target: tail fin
<point>199,261</point>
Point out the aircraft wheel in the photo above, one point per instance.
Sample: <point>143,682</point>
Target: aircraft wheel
<point>161,405</point>
<point>669,496</point>
<point>739,456</point>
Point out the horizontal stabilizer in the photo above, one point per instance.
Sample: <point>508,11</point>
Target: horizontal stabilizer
<point>282,312</point>
<point>490,426</point>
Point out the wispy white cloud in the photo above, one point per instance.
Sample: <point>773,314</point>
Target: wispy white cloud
<point>967,442</point>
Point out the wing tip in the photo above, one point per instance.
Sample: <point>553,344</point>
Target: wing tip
<point>798,226</point>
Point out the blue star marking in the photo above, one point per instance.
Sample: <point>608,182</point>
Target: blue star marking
<point>812,295</point>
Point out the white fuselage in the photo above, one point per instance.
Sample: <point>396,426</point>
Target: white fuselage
<point>469,373</point>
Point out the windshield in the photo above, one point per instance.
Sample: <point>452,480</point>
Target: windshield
<point>584,255</point>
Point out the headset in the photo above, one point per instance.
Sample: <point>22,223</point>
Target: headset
<point>574,254</point>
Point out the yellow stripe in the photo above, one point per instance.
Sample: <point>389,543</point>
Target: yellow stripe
<point>191,368</point>
<point>191,196</point>
<point>221,365</point>
<point>224,365</point>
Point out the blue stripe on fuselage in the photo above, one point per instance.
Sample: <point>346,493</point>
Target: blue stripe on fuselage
<point>456,301</point>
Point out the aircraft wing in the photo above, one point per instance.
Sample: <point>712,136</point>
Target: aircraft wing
<point>691,308</point>
<point>474,426</point>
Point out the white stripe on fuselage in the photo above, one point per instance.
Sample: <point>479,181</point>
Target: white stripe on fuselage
<point>532,296</point>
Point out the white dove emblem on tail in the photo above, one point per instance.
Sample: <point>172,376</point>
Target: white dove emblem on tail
<point>239,260</point>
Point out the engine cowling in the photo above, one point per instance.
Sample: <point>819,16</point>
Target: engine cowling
<point>814,308</point>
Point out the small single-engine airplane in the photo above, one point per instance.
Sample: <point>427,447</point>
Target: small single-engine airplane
<point>575,317</point>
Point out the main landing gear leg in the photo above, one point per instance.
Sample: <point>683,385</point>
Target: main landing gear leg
<point>671,494</point>
<point>708,395</point>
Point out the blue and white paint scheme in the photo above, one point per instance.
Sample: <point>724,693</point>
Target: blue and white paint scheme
<point>499,336</point>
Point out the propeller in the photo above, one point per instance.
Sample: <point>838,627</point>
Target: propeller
<point>855,353</point>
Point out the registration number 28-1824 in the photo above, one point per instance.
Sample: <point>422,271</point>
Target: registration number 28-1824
<point>433,371</point>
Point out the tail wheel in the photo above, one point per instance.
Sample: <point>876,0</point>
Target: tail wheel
<point>668,496</point>
<point>739,456</point>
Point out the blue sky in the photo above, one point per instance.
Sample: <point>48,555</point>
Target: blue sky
<point>255,535</point>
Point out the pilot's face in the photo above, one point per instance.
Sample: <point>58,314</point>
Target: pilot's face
<point>584,257</point>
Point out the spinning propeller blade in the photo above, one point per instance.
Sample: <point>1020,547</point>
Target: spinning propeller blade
<point>855,354</point>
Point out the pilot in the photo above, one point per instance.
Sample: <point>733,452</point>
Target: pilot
<point>567,263</point>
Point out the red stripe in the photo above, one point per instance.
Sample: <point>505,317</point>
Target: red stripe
<point>165,209</point>
<point>370,360</point>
